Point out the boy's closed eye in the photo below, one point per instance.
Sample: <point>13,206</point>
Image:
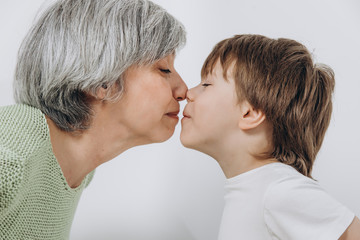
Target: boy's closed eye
<point>205,84</point>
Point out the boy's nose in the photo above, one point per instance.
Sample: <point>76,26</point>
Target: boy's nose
<point>179,88</point>
<point>189,95</point>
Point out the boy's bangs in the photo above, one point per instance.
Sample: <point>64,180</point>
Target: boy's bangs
<point>209,64</point>
<point>219,53</point>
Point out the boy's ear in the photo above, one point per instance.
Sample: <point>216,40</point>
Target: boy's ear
<point>250,117</point>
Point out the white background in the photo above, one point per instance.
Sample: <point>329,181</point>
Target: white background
<point>166,192</point>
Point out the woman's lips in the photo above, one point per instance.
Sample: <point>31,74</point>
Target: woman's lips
<point>173,114</point>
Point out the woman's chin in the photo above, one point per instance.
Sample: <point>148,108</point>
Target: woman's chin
<point>159,138</point>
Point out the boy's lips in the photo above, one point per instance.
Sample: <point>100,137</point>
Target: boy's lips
<point>186,115</point>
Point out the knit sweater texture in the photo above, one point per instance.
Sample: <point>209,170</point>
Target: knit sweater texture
<point>35,200</point>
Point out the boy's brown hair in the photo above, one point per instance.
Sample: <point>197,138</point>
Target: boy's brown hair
<point>278,77</point>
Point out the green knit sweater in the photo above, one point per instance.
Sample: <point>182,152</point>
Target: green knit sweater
<point>35,200</point>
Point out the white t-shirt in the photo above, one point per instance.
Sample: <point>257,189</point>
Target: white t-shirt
<point>277,202</point>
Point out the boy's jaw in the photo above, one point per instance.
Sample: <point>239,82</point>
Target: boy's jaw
<point>186,115</point>
<point>185,118</point>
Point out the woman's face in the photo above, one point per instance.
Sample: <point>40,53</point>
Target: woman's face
<point>149,106</point>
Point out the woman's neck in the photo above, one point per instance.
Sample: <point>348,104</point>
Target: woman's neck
<point>79,154</point>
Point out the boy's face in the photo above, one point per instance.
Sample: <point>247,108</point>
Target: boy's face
<point>212,113</point>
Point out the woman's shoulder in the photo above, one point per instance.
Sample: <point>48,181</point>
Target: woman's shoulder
<point>14,112</point>
<point>11,171</point>
<point>22,126</point>
<point>23,131</point>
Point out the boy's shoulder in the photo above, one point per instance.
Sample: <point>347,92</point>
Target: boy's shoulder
<point>294,203</point>
<point>283,175</point>
<point>274,174</point>
<point>286,185</point>
<point>271,181</point>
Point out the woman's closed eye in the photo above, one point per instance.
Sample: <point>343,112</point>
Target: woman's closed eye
<point>165,70</point>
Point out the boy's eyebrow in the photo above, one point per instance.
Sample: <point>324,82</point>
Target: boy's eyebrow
<point>206,77</point>
<point>203,80</point>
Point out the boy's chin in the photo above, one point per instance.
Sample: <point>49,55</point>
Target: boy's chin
<point>185,142</point>
<point>194,143</point>
<point>190,144</point>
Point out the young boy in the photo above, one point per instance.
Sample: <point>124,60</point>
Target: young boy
<point>262,110</point>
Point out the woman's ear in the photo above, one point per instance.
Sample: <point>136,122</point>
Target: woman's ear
<point>250,117</point>
<point>102,92</point>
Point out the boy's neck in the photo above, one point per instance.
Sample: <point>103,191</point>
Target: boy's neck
<point>238,152</point>
<point>236,165</point>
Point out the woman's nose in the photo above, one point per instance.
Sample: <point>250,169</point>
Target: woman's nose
<point>179,88</point>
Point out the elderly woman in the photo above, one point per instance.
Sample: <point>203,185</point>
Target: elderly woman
<point>93,79</point>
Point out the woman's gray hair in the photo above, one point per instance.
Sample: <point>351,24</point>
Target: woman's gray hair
<point>78,46</point>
